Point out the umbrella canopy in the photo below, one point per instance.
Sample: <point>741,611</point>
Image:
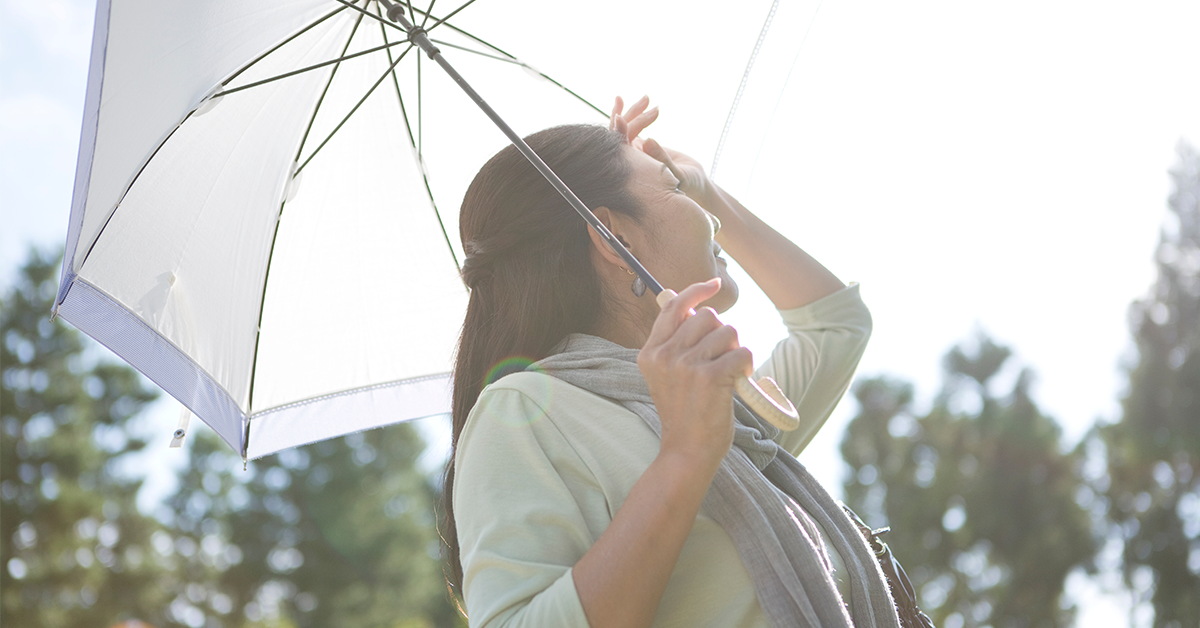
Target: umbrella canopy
<point>269,251</point>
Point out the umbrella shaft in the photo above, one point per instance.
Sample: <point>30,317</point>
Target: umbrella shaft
<point>418,37</point>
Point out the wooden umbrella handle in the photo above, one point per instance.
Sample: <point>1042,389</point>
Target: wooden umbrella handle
<point>764,396</point>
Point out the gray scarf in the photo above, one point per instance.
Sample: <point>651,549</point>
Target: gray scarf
<point>777,540</point>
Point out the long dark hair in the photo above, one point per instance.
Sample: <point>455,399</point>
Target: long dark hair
<point>528,266</point>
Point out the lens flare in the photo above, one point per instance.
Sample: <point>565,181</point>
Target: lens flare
<point>508,366</point>
<point>538,391</point>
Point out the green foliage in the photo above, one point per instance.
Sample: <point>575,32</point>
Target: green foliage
<point>980,502</point>
<point>75,549</point>
<point>1153,484</point>
<point>340,532</point>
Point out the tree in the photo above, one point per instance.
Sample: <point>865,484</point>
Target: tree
<point>980,502</point>
<point>75,549</point>
<point>338,533</point>
<point>1153,482</point>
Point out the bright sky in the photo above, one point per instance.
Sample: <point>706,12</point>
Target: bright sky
<point>996,167</point>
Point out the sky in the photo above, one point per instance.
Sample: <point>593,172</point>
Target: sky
<point>977,167</point>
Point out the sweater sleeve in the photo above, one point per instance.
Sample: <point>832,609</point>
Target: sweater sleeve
<point>815,363</point>
<point>519,527</point>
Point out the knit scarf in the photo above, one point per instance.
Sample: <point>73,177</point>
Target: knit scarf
<point>774,533</point>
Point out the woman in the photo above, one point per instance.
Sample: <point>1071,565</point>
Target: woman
<point>602,485</point>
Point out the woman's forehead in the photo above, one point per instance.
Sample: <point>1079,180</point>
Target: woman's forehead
<point>646,167</point>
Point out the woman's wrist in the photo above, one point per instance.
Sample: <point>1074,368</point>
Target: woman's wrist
<point>693,464</point>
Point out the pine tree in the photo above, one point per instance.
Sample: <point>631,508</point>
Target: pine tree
<point>1154,451</point>
<point>75,549</point>
<point>980,503</point>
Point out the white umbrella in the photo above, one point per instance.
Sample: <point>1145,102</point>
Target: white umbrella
<point>253,225</point>
<point>287,283</point>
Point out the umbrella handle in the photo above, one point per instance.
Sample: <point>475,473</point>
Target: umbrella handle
<point>764,396</point>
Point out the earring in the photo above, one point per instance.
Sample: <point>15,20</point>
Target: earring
<point>639,286</point>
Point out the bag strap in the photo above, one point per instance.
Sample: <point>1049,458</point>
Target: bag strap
<point>902,589</point>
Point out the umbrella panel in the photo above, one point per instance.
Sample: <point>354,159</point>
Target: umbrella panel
<point>360,255</point>
<point>283,309</point>
<point>186,249</point>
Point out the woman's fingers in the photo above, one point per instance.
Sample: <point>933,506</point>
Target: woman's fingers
<point>618,105</point>
<point>676,310</point>
<point>690,173</point>
<point>712,341</point>
<point>638,107</point>
<point>659,153</point>
<point>695,329</point>
<point>631,123</point>
<point>638,123</point>
<point>737,361</point>
<point>682,332</point>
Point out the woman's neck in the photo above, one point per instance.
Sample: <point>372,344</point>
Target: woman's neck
<point>626,324</point>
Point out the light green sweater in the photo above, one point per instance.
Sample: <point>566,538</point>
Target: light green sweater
<point>542,467</point>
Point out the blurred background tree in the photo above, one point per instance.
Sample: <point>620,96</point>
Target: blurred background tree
<point>978,492</point>
<point>75,549</point>
<point>337,533</point>
<point>1153,481</point>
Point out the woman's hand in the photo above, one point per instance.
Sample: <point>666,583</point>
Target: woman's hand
<point>693,180</point>
<point>631,123</point>
<point>790,277</point>
<point>691,361</point>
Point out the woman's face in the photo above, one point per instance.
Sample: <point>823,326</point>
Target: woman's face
<point>677,244</point>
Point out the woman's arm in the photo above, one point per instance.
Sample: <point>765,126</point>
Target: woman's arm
<point>521,531</point>
<point>690,363</point>
<point>815,363</point>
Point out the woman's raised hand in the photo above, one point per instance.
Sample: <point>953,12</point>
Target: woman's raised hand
<point>691,361</point>
<point>631,123</point>
<point>693,180</point>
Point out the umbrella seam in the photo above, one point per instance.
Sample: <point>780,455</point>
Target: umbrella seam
<point>365,429</point>
<point>345,393</point>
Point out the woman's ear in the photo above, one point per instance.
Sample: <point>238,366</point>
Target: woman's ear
<point>617,224</point>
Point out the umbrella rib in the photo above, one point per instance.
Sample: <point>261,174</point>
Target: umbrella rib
<point>450,15</point>
<point>420,110</point>
<point>352,111</point>
<point>477,52</point>
<point>284,43</point>
<point>328,83</point>
<point>307,69</point>
<point>367,13</point>
<point>737,98</point>
<point>275,236</point>
<point>421,163</point>
<point>428,12</point>
<point>517,61</point>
